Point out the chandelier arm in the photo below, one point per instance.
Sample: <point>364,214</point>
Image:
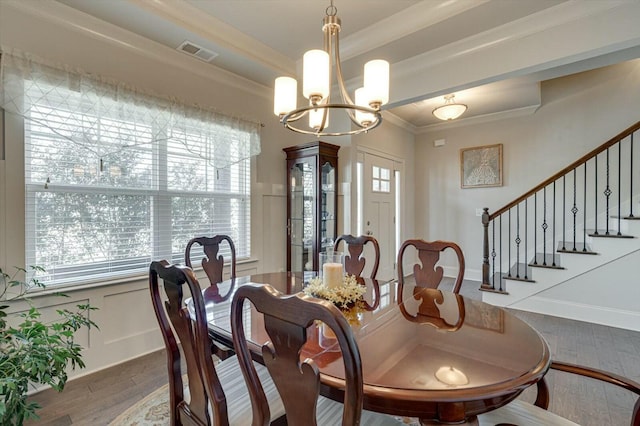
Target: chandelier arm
<point>352,115</point>
<point>325,115</point>
<point>343,90</point>
<point>293,115</point>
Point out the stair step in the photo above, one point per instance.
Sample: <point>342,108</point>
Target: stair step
<point>634,217</point>
<point>494,284</point>
<point>602,233</point>
<point>551,261</point>
<point>519,272</point>
<point>581,248</point>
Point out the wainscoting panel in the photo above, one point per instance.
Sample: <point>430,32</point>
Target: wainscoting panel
<point>131,314</point>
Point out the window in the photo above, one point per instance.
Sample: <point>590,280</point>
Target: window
<point>107,192</point>
<point>381,179</point>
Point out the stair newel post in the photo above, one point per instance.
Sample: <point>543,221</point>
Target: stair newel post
<point>485,250</point>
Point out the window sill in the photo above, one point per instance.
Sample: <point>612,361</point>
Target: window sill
<point>89,285</point>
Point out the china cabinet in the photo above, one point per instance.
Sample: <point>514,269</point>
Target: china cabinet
<point>312,200</point>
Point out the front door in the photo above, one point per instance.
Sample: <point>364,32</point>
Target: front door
<point>378,215</point>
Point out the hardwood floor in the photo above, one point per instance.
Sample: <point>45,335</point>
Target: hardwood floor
<point>98,398</point>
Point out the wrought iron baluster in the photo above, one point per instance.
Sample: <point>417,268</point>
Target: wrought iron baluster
<point>564,211</point>
<point>535,228</point>
<point>584,209</point>
<point>553,234</point>
<point>517,240</point>
<point>526,233</point>
<point>631,180</point>
<point>544,226</point>
<point>509,248</point>
<point>500,250</point>
<point>574,210</point>
<point>619,184</point>
<point>595,197</point>
<point>607,194</point>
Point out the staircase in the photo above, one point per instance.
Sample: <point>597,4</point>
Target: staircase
<point>570,246</point>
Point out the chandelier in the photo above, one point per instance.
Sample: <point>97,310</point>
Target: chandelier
<point>450,110</point>
<point>318,66</point>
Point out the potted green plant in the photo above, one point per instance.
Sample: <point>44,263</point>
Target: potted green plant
<point>34,352</point>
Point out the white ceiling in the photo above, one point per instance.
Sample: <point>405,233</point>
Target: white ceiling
<point>262,39</point>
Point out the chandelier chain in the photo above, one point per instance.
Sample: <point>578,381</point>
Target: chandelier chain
<point>331,10</point>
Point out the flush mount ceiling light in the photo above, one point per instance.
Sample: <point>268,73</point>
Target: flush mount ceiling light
<point>318,73</point>
<point>450,110</point>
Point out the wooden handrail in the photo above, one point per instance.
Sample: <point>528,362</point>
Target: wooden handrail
<point>567,169</point>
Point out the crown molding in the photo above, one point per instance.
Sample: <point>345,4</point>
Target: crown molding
<point>395,120</point>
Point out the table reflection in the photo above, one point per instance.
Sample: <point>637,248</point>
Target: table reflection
<point>444,311</point>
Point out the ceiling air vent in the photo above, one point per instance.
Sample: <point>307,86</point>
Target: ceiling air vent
<point>197,51</point>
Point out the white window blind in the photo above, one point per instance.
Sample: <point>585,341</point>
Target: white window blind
<point>115,179</point>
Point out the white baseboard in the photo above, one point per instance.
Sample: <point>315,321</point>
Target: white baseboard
<point>469,274</point>
<point>576,311</point>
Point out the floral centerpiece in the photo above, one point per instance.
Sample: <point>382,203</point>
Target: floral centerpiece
<point>348,297</point>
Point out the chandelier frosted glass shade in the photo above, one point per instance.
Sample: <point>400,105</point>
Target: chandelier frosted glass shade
<point>450,110</point>
<point>451,376</point>
<point>318,74</point>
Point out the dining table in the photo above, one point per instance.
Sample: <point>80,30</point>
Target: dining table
<point>429,354</point>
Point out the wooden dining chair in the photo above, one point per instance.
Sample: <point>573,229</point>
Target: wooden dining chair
<point>522,413</point>
<point>354,262</point>
<point>212,262</point>
<point>213,265</point>
<point>426,273</point>
<point>287,320</point>
<point>216,394</point>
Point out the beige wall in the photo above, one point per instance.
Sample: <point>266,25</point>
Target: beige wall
<point>577,114</point>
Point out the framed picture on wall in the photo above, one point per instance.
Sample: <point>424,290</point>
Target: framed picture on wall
<point>481,166</point>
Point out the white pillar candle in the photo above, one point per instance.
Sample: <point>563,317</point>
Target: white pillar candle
<point>332,275</point>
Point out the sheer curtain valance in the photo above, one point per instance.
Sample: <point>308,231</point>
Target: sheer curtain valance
<point>115,116</point>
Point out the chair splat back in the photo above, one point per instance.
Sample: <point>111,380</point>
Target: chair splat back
<point>298,382</point>
<point>355,262</point>
<point>427,274</point>
<point>197,357</point>
<point>212,263</point>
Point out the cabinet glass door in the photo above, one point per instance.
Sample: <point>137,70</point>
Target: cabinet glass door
<point>302,203</point>
<point>328,212</point>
